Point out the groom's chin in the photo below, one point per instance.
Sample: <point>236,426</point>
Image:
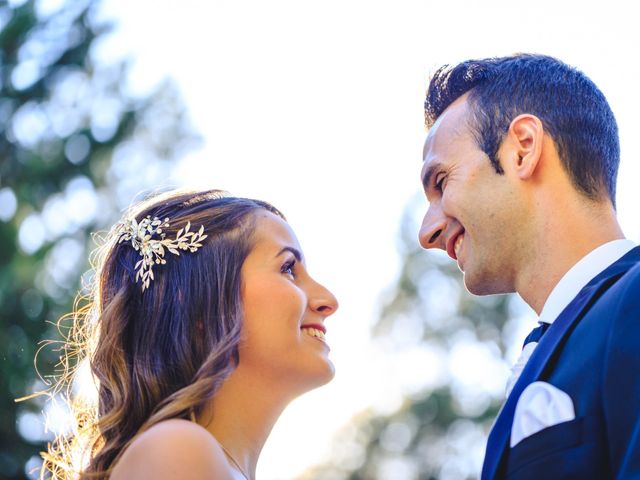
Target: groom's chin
<point>481,285</point>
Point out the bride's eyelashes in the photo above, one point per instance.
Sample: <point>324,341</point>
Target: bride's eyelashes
<point>288,267</point>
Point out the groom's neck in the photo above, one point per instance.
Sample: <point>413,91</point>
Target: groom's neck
<point>566,231</point>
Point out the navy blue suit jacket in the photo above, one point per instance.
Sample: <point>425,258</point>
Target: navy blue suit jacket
<point>591,352</point>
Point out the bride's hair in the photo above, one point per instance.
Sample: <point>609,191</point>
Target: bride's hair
<point>160,353</point>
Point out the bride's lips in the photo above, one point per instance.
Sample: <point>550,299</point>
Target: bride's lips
<point>451,244</point>
<point>317,326</point>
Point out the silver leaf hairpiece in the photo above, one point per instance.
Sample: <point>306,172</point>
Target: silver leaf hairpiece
<point>152,250</point>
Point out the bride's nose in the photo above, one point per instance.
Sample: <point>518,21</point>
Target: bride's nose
<point>321,300</point>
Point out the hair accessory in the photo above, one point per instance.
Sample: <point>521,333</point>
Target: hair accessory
<point>152,249</point>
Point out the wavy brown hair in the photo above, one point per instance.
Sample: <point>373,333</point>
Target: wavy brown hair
<point>158,354</point>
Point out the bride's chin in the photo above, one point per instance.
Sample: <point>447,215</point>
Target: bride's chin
<point>327,375</point>
<point>315,379</point>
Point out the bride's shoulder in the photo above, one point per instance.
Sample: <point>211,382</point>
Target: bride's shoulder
<point>173,448</point>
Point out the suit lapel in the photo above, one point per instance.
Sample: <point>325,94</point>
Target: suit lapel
<point>498,438</point>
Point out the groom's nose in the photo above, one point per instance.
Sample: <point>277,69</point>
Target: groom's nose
<point>434,224</point>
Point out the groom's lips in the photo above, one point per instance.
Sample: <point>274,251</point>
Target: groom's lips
<point>451,251</point>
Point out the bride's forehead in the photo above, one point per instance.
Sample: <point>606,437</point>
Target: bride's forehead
<point>272,229</point>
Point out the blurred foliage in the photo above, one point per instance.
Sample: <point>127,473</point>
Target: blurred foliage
<point>439,431</point>
<point>75,148</point>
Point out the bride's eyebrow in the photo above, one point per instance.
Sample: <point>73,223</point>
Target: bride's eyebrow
<point>296,253</point>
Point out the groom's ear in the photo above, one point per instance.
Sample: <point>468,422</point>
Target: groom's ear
<point>522,146</point>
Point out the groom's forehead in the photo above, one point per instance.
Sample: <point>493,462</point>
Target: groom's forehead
<point>447,129</point>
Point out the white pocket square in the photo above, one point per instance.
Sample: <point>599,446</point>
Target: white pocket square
<point>540,405</point>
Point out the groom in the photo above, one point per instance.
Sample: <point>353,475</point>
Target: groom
<point>519,169</point>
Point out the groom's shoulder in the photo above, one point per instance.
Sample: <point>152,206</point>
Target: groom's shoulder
<point>628,287</point>
<point>620,304</point>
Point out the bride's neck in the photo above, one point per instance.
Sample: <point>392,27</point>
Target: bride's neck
<point>241,416</point>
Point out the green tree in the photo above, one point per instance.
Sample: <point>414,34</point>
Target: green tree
<point>439,431</point>
<point>75,146</point>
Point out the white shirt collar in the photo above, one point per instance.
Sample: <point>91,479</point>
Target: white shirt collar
<point>580,274</point>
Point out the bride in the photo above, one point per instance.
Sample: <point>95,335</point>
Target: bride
<point>204,324</point>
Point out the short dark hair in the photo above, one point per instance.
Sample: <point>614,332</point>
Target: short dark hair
<point>573,111</point>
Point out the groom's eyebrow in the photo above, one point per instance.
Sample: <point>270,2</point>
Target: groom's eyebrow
<point>428,173</point>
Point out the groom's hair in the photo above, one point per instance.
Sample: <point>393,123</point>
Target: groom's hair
<point>573,111</point>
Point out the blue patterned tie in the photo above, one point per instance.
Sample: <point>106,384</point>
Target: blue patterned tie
<point>536,333</point>
<point>518,367</point>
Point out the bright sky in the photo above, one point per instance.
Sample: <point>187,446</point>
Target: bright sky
<point>317,108</point>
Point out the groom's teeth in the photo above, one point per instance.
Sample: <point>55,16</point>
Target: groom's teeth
<point>456,246</point>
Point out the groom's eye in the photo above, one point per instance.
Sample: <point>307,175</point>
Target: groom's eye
<point>439,181</point>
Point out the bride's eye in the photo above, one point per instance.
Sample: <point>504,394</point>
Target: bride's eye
<point>289,267</point>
